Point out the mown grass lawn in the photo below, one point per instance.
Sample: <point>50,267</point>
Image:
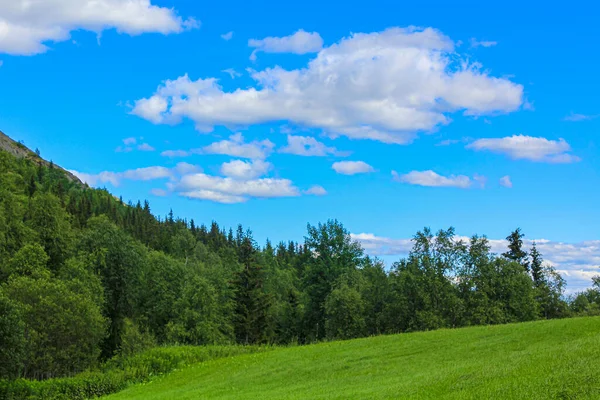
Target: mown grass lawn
<point>539,360</point>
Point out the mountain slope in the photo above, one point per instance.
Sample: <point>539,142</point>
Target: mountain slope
<point>536,360</point>
<point>21,151</point>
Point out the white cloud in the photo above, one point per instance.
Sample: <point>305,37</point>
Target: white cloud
<point>236,147</point>
<point>537,149</point>
<point>579,117</point>
<point>26,26</point>
<point>129,141</point>
<point>352,167</point>
<point>151,109</point>
<point>184,168</point>
<point>483,43</point>
<point>121,149</point>
<point>227,36</point>
<point>245,170</point>
<point>301,42</point>
<point>139,174</point>
<point>308,146</point>
<point>384,86</point>
<point>159,192</point>
<point>506,182</point>
<point>232,73</point>
<point>577,262</point>
<point>480,179</point>
<point>145,147</point>
<point>448,142</point>
<point>229,190</point>
<point>316,191</point>
<point>381,246</point>
<point>432,179</point>
<point>179,153</point>
<point>189,181</point>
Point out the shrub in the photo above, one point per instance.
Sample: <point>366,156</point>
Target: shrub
<point>118,373</point>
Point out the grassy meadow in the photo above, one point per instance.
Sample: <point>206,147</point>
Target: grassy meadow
<point>557,359</point>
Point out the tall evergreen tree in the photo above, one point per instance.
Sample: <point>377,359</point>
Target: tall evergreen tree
<point>515,249</point>
<point>537,270</point>
<point>252,303</point>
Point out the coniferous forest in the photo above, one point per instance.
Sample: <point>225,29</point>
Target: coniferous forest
<point>85,277</point>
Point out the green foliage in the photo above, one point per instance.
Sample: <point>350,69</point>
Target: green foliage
<point>31,260</point>
<point>344,309</point>
<point>199,316</point>
<point>134,341</point>
<point>12,338</point>
<point>119,262</point>
<point>49,220</point>
<point>332,253</point>
<point>119,373</point>
<point>252,303</point>
<point>63,328</point>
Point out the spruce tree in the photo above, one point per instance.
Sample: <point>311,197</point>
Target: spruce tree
<point>515,249</point>
<point>252,303</point>
<point>537,272</point>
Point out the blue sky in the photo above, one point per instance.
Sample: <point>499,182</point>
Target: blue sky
<point>387,116</point>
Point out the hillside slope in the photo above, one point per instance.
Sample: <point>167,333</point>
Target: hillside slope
<point>537,360</point>
<point>21,151</point>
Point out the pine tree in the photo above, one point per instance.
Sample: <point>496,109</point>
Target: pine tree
<point>230,239</point>
<point>32,188</point>
<point>252,303</point>
<point>239,236</point>
<point>537,272</point>
<point>515,249</point>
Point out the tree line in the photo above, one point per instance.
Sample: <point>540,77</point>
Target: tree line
<point>85,277</point>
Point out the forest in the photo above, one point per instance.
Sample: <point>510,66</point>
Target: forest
<point>85,277</point>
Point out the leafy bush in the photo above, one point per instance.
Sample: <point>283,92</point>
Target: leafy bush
<point>119,373</point>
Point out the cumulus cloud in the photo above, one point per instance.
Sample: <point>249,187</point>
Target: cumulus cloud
<point>579,117</point>
<point>352,167</point>
<point>381,246</point>
<point>240,182</point>
<point>145,147</point>
<point>308,146</point>
<point>301,42</point>
<point>433,179</point>
<point>151,109</point>
<point>537,149</point>
<point>576,262</point>
<point>316,191</point>
<point>228,190</point>
<point>384,86</point>
<point>506,182</point>
<point>129,141</point>
<point>236,147</point>
<point>227,36</point>
<point>245,170</point>
<point>26,26</point>
<point>139,174</point>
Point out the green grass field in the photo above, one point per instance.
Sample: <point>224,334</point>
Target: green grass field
<point>539,360</point>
